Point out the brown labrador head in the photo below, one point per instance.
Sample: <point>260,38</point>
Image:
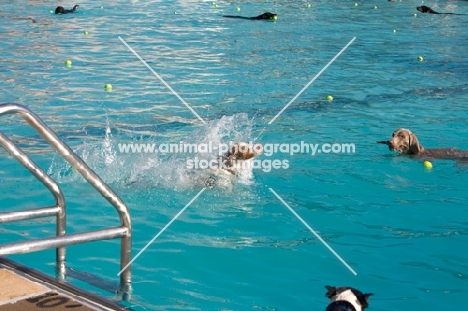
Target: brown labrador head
<point>404,141</point>
<point>244,151</point>
<point>240,152</point>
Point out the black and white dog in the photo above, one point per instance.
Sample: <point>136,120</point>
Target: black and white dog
<point>346,299</point>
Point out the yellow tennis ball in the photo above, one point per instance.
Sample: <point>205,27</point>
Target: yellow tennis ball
<point>102,7</point>
<point>355,4</point>
<point>420,58</point>
<point>275,17</point>
<point>68,63</point>
<point>86,32</point>
<point>375,7</point>
<point>415,14</point>
<point>329,97</point>
<point>427,164</point>
<point>308,5</point>
<point>394,30</point>
<point>108,87</point>
<point>238,9</point>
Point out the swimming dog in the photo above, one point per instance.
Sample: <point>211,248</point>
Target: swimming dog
<point>238,154</point>
<point>404,141</point>
<point>346,299</point>
<point>237,158</point>
<point>425,9</point>
<point>61,10</point>
<point>266,15</point>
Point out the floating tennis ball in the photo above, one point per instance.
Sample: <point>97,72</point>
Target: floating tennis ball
<point>68,63</point>
<point>355,4</point>
<point>308,5</point>
<point>394,30</point>
<point>108,87</point>
<point>51,11</point>
<point>420,58</point>
<point>275,17</point>
<point>102,7</point>
<point>238,9</point>
<point>329,98</point>
<point>415,14</point>
<point>215,4</point>
<point>427,164</point>
<point>86,32</point>
<point>375,7</point>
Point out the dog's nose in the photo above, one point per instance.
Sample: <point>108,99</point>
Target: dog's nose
<point>391,144</point>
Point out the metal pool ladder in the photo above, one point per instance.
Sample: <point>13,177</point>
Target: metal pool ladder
<point>61,240</point>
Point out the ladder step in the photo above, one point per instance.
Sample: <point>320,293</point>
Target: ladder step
<point>59,241</point>
<point>29,214</point>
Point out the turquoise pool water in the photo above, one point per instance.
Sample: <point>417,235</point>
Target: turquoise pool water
<point>400,227</point>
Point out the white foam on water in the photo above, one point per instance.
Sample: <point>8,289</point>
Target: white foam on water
<point>167,170</point>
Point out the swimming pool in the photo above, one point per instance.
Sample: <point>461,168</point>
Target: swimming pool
<point>400,227</point>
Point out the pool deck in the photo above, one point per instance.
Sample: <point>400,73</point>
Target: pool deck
<point>22,288</point>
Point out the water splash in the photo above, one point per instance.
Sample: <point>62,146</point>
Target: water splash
<point>156,169</point>
<point>108,152</point>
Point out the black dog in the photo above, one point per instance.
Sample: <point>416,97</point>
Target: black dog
<point>61,10</point>
<point>266,15</point>
<point>346,299</point>
<point>425,9</point>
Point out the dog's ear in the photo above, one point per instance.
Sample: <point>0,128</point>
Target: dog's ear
<point>364,300</point>
<point>414,146</point>
<point>331,291</point>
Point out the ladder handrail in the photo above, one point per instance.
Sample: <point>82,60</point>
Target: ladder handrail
<point>51,185</point>
<point>81,167</point>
